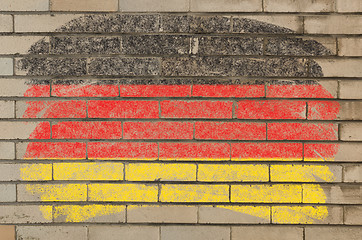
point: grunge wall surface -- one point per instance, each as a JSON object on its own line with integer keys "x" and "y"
{"x": 180, "y": 119}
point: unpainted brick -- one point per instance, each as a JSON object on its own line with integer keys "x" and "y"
{"x": 194, "y": 232}
{"x": 123, "y": 232}
{"x": 84, "y": 5}
{"x": 335, "y": 194}
{"x": 6, "y": 66}
{"x": 7, "y": 150}
{"x": 6, "y": 23}
{"x": 12, "y": 87}
{"x": 161, "y": 214}
{"x": 351, "y": 131}
{"x": 24, "y": 130}
{"x": 353, "y": 173}
{"x": 333, "y": 24}
{"x": 342, "y": 152}
{"x": 267, "y": 233}
{"x": 340, "y": 67}
{"x": 41, "y": 23}
{"x": 7, "y": 232}
{"x": 15, "y": 172}
{"x": 226, "y": 6}
{"x": 19, "y": 5}
{"x": 7, "y": 109}
{"x": 333, "y": 233}
{"x": 25, "y": 214}
{"x": 349, "y": 6}
{"x": 299, "y": 6}
{"x": 350, "y": 89}
{"x": 333, "y": 110}
{"x": 350, "y": 46}
{"x": 352, "y": 215}
{"x": 24, "y": 44}
{"x": 52, "y": 232}
{"x": 154, "y": 5}
{"x": 7, "y": 193}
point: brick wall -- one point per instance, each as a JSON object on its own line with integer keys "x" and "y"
{"x": 180, "y": 119}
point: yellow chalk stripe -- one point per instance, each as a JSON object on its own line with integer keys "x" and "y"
{"x": 59, "y": 192}
{"x": 313, "y": 193}
{"x": 163, "y": 172}
{"x": 143, "y": 159}
{"x": 36, "y": 172}
{"x": 194, "y": 193}
{"x": 195, "y": 159}
{"x": 301, "y": 173}
{"x": 88, "y": 171}
{"x": 298, "y": 214}
{"x": 257, "y": 211}
{"x": 280, "y": 193}
{"x": 123, "y": 192}
{"x": 319, "y": 159}
{"x": 76, "y": 213}
{"x": 266, "y": 159}
{"x": 47, "y": 212}
{"x": 233, "y": 172}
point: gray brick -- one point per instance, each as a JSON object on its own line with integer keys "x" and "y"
{"x": 300, "y": 47}
{"x": 19, "y": 5}
{"x": 347, "y": 152}
{"x": 123, "y": 232}
{"x": 333, "y": 233}
{"x": 84, "y": 5}
{"x": 221, "y": 215}
{"x": 341, "y": 194}
{"x": 352, "y": 215}
{"x": 6, "y": 23}
{"x": 351, "y": 131}
{"x": 41, "y": 23}
{"x": 228, "y": 46}
{"x": 227, "y": 66}
{"x": 24, "y": 44}
{"x": 154, "y": 6}
{"x": 25, "y": 214}
{"x": 124, "y": 66}
{"x": 174, "y": 23}
{"x": 340, "y": 67}
{"x": 156, "y": 45}
{"x": 51, "y": 66}
{"x": 19, "y": 130}
{"x": 6, "y": 66}
{"x": 85, "y": 45}
{"x": 7, "y": 193}
{"x": 7, "y": 150}
{"x": 18, "y": 172}
{"x": 333, "y": 24}
{"x": 161, "y": 214}
{"x": 349, "y": 6}
{"x": 12, "y": 87}
{"x": 7, "y": 109}
{"x": 350, "y": 110}
{"x": 52, "y": 232}
{"x": 299, "y": 6}
{"x": 353, "y": 173}
{"x": 267, "y": 233}
{"x": 226, "y": 6}
{"x": 195, "y": 232}
{"x": 350, "y": 46}
{"x": 350, "y": 89}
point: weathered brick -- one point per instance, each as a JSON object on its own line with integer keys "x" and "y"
{"x": 18, "y": 5}
{"x": 24, "y": 44}
{"x": 226, "y": 6}
{"x": 158, "y": 130}
{"x": 194, "y": 232}
{"x": 52, "y": 192}
{"x": 25, "y": 172}
{"x": 268, "y": 24}
{"x": 123, "y": 192}
{"x": 350, "y": 46}
{"x": 41, "y": 23}
{"x": 6, "y": 66}
{"x": 84, "y": 5}
{"x": 85, "y": 45}
{"x": 350, "y": 89}
{"x": 51, "y": 109}
{"x": 7, "y": 150}
{"x": 85, "y": 88}
{"x": 50, "y": 66}
{"x": 124, "y": 232}
{"x": 7, "y": 232}
{"x": 24, "y": 130}
{"x": 342, "y": 152}
{"x": 352, "y": 215}
{"x": 333, "y": 24}
{"x": 25, "y": 214}
{"x": 161, "y": 214}
{"x": 301, "y": 46}
{"x": 7, "y": 193}
{"x": 52, "y": 232}
{"x": 329, "y": 110}
{"x": 333, "y": 233}
{"x": 12, "y": 87}
{"x": 175, "y": 23}
{"x": 88, "y": 171}
{"x": 349, "y": 6}
{"x": 6, "y": 23}
{"x": 305, "y": 173}
{"x": 7, "y": 109}
{"x": 209, "y": 24}
{"x": 351, "y": 131}
{"x": 144, "y": 90}
{"x": 307, "y": 214}
{"x": 267, "y": 233}
{"x": 230, "y": 131}
{"x": 338, "y": 194}
{"x": 232, "y": 173}
{"x": 353, "y": 173}
{"x": 160, "y": 172}
{"x": 299, "y": 6}
{"x": 156, "y": 45}
{"x": 123, "y": 66}
{"x": 97, "y": 213}
{"x": 154, "y": 6}
{"x": 341, "y": 67}
{"x": 234, "y": 214}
